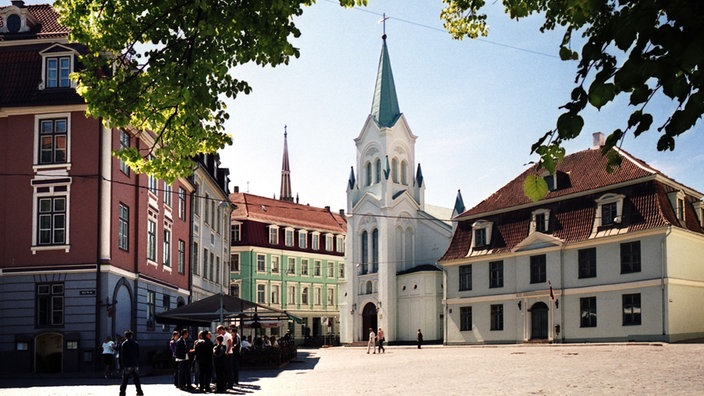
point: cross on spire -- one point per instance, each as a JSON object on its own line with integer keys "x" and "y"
{"x": 383, "y": 20}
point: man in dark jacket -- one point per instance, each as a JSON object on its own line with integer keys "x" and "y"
{"x": 184, "y": 365}
{"x": 204, "y": 358}
{"x": 129, "y": 361}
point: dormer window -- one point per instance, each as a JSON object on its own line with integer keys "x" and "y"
{"x": 481, "y": 232}
{"x": 289, "y": 236}
{"x": 540, "y": 220}
{"x": 610, "y": 210}
{"x": 551, "y": 180}
{"x": 699, "y": 210}
{"x": 274, "y": 235}
{"x": 677, "y": 200}
{"x": 16, "y": 19}
{"x": 57, "y": 65}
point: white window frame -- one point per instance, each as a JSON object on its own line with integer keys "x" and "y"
{"x": 340, "y": 240}
{"x": 318, "y": 301}
{"x": 331, "y": 297}
{"x": 305, "y": 267}
{"x": 482, "y": 225}
{"x": 328, "y": 242}
{"x": 289, "y": 267}
{"x": 261, "y": 285}
{"x": 125, "y": 142}
{"x": 275, "y": 293}
{"x": 341, "y": 270}
{"x": 534, "y": 219}
{"x": 273, "y": 235}
{"x": 166, "y": 243}
{"x": 263, "y": 259}
{"x": 233, "y": 260}
{"x": 678, "y": 199}
{"x": 302, "y": 239}
{"x": 50, "y": 53}
{"x": 317, "y": 268}
{"x": 275, "y": 264}
{"x": 167, "y": 194}
{"x": 605, "y": 200}
{"x": 291, "y": 297}
{"x": 288, "y": 233}
{"x": 236, "y": 232}
{"x": 55, "y": 116}
{"x": 151, "y": 245}
{"x": 53, "y": 192}
{"x": 315, "y": 240}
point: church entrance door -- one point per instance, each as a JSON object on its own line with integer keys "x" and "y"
{"x": 539, "y": 321}
{"x": 368, "y": 320}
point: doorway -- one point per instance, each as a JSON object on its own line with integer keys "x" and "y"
{"x": 368, "y": 320}
{"x": 539, "y": 321}
{"x": 48, "y": 355}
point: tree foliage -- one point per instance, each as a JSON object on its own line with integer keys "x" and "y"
{"x": 165, "y": 67}
{"x": 634, "y": 48}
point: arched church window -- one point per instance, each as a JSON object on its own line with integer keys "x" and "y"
{"x": 368, "y": 167}
{"x": 369, "y": 287}
{"x": 365, "y": 253}
{"x": 377, "y": 171}
{"x": 404, "y": 172}
{"x": 375, "y": 250}
{"x": 394, "y": 170}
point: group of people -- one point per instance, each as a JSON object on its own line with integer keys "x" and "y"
{"x": 127, "y": 353}
{"x": 376, "y": 341}
{"x": 210, "y": 360}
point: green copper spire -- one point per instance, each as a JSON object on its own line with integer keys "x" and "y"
{"x": 385, "y": 104}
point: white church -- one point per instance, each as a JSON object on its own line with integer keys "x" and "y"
{"x": 393, "y": 238}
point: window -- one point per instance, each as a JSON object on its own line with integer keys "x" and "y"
{"x": 375, "y": 250}
{"x": 465, "y": 318}
{"x": 235, "y": 262}
{"x": 304, "y": 296}
{"x": 586, "y": 263}
{"x": 151, "y": 240}
{"x": 496, "y": 274}
{"x": 368, "y": 167}
{"x": 540, "y": 220}
{"x": 273, "y": 235}
{"x": 328, "y": 242}
{"x": 368, "y": 287}
{"x": 289, "y": 237}
{"x": 304, "y": 267}
{"x": 167, "y": 194}
{"x": 181, "y": 256}
{"x": 275, "y": 264}
{"x": 537, "y": 269}
{"x": 318, "y": 296}
{"x": 236, "y": 232}
{"x": 151, "y": 309}
{"x": 51, "y": 223}
{"x": 377, "y": 171}
{"x": 124, "y": 144}
{"x": 465, "y": 277}
{"x": 302, "y": 239}
{"x": 365, "y": 253}
{"x": 218, "y": 271}
{"x": 196, "y": 202}
{"x": 123, "y": 228}
{"x": 630, "y": 257}
{"x": 261, "y": 263}
{"x": 608, "y": 214}
{"x": 235, "y": 290}
{"x": 181, "y": 203}
{"x": 497, "y": 317}
{"x": 195, "y": 266}
{"x": 481, "y": 232}
{"x": 404, "y": 171}
{"x": 317, "y": 268}
{"x": 274, "y": 294}
{"x": 212, "y": 265}
{"x": 341, "y": 270}
{"x": 610, "y": 207}
{"x": 331, "y": 297}
{"x": 587, "y": 307}
{"x": 50, "y": 304}
{"x": 57, "y": 71}
{"x": 394, "y": 170}
{"x": 291, "y": 266}
{"x": 151, "y": 184}
{"x": 480, "y": 237}
{"x": 261, "y": 294}
{"x": 680, "y": 209}
{"x": 315, "y": 241}
{"x": 206, "y": 266}
{"x": 340, "y": 244}
{"x": 631, "y": 309}
{"x": 165, "y": 302}
{"x": 291, "y": 299}
{"x": 53, "y": 141}
{"x": 167, "y": 248}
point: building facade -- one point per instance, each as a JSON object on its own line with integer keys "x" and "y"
{"x": 603, "y": 257}
{"x": 290, "y": 257}
{"x": 211, "y": 228}
{"x": 88, "y": 248}
{"x": 394, "y": 238}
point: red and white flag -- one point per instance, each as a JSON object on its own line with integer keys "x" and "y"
{"x": 552, "y": 295}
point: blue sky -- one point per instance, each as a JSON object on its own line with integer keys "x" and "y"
{"x": 476, "y": 105}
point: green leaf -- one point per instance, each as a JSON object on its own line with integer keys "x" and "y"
{"x": 613, "y": 160}
{"x": 601, "y": 94}
{"x": 569, "y": 125}
{"x": 535, "y": 187}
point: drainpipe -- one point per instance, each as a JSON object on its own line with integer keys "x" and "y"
{"x": 663, "y": 259}
{"x": 98, "y": 289}
{"x": 444, "y": 305}
{"x": 562, "y": 292}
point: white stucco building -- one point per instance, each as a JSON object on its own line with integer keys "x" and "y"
{"x": 393, "y": 238}
{"x": 603, "y": 257}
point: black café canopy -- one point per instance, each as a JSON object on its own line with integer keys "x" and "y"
{"x": 225, "y": 308}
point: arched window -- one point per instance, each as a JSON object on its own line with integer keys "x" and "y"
{"x": 365, "y": 253}
{"x": 404, "y": 173}
{"x": 368, "y": 167}
{"x": 377, "y": 170}
{"x": 375, "y": 250}
{"x": 394, "y": 170}
{"x": 369, "y": 287}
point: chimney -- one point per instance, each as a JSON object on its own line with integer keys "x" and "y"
{"x": 342, "y": 212}
{"x": 237, "y": 189}
{"x": 598, "y": 140}
{"x": 18, "y": 3}
{"x": 327, "y": 208}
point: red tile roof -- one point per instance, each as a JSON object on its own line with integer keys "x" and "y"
{"x": 285, "y": 213}
{"x": 48, "y": 26}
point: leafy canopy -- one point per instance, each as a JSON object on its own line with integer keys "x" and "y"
{"x": 165, "y": 66}
{"x": 636, "y": 48}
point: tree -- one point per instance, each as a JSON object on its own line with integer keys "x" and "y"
{"x": 636, "y": 48}
{"x": 163, "y": 66}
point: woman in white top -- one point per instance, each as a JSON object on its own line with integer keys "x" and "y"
{"x": 108, "y": 355}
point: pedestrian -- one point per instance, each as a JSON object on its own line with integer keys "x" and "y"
{"x": 108, "y": 355}
{"x": 381, "y": 339}
{"x": 419, "y": 338}
{"x": 129, "y": 359}
{"x": 235, "y": 356}
{"x": 204, "y": 358}
{"x": 172, "y": 346}
{"x": 227, "y": 341}
{"x": 372, "y": 341}
{"x": 184, "y": 367}
{"x": 219, "y": 362}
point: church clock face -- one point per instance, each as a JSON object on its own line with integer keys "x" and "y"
{"x": 14, "y": 23}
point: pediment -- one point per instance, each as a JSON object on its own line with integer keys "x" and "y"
{"x": 537, "y": 240}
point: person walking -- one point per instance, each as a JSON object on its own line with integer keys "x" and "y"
{"x": 381, "y": 339}
{"x": 372, "y": 341}
{"x": 219, "y": 362}
{"x": 108, "y": 355}
{"x": 129, "y": 360}
{"x": 204, "y": 359}
{"x": 419, "y": 338}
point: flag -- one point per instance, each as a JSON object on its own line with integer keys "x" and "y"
{"x": 552, "y": 295}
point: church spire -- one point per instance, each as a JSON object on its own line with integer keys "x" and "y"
{"x": 385, "y": 108}
{"x": 285, "y": 194}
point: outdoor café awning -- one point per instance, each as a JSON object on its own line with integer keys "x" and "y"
{"x": 226, "y": 309}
